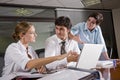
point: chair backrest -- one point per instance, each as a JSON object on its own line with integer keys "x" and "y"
{"x": 40, "y": 52}
{"x": 1, "y": 64}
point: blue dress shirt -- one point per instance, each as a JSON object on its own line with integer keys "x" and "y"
{"x": 94, "y": 37}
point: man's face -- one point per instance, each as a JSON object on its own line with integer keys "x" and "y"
{"x": 91, "y": 23}
{"x": 62, "y": 32}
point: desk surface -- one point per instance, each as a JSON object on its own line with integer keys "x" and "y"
{"x": 111, "y": 73}
{"x": 115, "y": 73}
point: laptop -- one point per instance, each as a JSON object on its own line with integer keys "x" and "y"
{"x": 89, "y": 56}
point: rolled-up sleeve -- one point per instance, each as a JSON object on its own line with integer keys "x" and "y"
{"x": 18, "y": 57}
{"x": 75, "y": 29}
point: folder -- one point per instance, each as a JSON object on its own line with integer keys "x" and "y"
{"x": 72, "y": 73}
{"x": 22, "y": 76}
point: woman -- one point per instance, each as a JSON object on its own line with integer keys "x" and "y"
{"x": 20, "y": 57}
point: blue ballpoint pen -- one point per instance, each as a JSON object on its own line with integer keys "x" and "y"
{"x": 114, "y": 64}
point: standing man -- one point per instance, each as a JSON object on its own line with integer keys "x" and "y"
{"x": 90, "y": 32}
{"x": 60, "y": 43}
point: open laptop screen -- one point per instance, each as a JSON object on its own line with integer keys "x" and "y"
{"x": 89, "y": 56}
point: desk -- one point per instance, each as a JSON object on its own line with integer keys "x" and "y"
{"x": 106, "y": 74}
{"x": 115, "y": 73}
{"x": 111, "y": 73}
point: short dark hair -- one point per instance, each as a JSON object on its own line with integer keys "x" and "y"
{"x": 98, "y": 16}
{"x": 63, "y": 21}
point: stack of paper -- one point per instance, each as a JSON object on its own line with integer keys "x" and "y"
{"x": 105, "y": 64}
{"x": 22, "y": 75}
{"x": 66, "y": 74}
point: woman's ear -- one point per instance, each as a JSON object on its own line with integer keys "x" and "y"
{"x": 21, "y": 35}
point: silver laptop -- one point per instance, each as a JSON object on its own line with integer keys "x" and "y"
{"x": 89, "y": 56}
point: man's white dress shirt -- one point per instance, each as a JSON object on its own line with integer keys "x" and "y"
{"x": 53, "y": 47}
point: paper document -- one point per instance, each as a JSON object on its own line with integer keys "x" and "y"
{"x": 29, "y": 75}
{"x": 22, "y": 75}
{"x": 105, "y": 63}
{"x": 66, "y": 74}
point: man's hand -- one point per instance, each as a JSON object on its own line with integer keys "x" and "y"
{"x": 72, "y": 57}
{"x": 118, "y": 61}
{"x": 76, "y": 38}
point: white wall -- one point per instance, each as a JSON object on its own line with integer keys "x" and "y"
{"x": 116, "y": 20}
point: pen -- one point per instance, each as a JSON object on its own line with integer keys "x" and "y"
{"x": 114, "y": 63}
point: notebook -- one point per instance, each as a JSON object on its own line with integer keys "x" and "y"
{"x": 89, "y": 56}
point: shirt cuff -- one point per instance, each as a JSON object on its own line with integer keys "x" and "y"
{"x": 24, "y": 63}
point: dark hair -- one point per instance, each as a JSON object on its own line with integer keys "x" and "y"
{"x": 98, "y": 16}
{"x": 63, "y": 21}
{"x": 21, "y": 27}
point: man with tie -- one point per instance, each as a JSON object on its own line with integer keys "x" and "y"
{"x": 60, "y": 43}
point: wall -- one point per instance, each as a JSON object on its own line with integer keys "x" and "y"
{"x": 43, "y": 30}
{"x": 116, "y": 20}
{"x": 1, "y": 65}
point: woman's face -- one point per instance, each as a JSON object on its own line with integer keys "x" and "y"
{"x": 30, "y": 35}
{"x": 61, "y": 32}
{"x": 91, "y": 23}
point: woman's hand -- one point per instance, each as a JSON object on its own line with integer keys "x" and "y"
{"x": 71, "y": 56}
{"x": 41, "y": 69}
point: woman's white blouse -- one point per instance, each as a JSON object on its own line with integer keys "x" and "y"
{"x": 16, "y": 58}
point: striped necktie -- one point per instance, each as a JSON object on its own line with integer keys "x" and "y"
{"x": 63, "y": 47}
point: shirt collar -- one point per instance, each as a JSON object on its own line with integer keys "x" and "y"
{"x": 59, "y": 40}
{"x": 21, "y": 45}
{"x": 85, "y": 28}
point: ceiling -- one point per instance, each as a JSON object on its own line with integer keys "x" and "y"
{"x": 105, "y": 4}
